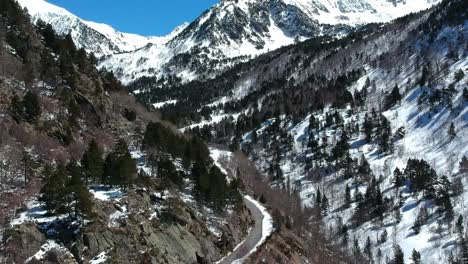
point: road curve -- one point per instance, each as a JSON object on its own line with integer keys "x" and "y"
{"x": 255, "y": 237}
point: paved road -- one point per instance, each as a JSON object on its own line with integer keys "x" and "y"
{"x": 252, "y": 239}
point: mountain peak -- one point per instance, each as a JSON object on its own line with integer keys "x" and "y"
{"x": 230, "y": 30}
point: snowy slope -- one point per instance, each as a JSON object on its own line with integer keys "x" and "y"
{"x": 95, "y": 37}
{"x": 426, "y": 138}
{"x": 228, "y": 30}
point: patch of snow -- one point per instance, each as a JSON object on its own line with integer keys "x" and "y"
{"x": 99, "y": 259}
{"x": 217, "y": 155}
{"x": 104, "y": 193}
{"x": 162, "y": 104}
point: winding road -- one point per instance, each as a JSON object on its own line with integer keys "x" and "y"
{"x": 257, "y": 234}
{"x": 262, "y": 228}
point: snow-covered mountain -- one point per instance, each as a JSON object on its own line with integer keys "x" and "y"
{"x": 230, "y": 29}
{"x": 101, "y": 39}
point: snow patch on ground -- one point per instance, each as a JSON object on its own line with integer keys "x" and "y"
{"x": 104, "y": 193}
{"x": 162, "y": 104}
{"x": 35, "y": 212}
{"x": 99, "y": 259}
{"x": 217, "y": 155}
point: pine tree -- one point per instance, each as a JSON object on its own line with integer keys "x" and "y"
{"x": 32, "y": 107}
{"x": 78, "y": 198}
{"x": 347, "y": 196}
{"x": 168, "y": 172}
{"x": 421, "y": 176}
{"x": 415, "y": 257}
{"x": 367, "y": 127}
{"x": 53, "y": 192}
{"x": 383, "y": 236}
{"x": 119, "y": 166}
{"x": 397, "y": 214}
{"x": 443, "y": 197}
{"x": 460, "y": 226}
{"x": 356, "y": 251}
{"x": 74, "y": 113}
{"x": 398, "y": 178}
{"x": 398, "y": 256}
{"x": 16, "y": 108}
{"x": 368, "y": 250}
{"x": 393, "y": 98}
{"x": 201, "y": 180}
{"x": 318, "y": 198}
{"x": 92, "y": 162}
{"x": 459, "y": 75}
{"x": 451, "y": 131}
{"x": 324, "y": 204}
{"x": 344, "y": 232}
{"x": 421, "y": 220}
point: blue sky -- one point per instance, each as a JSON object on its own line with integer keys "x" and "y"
{"x": 144, "y": 17}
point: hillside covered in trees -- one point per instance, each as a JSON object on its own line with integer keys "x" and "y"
{"x": 88, "y": 173}
{"x": 368, "y": 131}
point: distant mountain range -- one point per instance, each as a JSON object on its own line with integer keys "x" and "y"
{"x": 229, "y": 32}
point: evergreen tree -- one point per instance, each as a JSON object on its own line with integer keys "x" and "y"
{"x": 421, "y": 176}
{"x": 398, "y": 256}
{"x": 168, "y": 172}
{"x": 393, "y": 98}
{"x": 119, "y": 166}
{"x": 53, "y": 191}
{"x": 347, "y": 196}
{"x": 415, "y": 257}
{"x": 368, "y": 250}
{"x": 341, "y": 147}
{"x": 443, "y": 197}
{"x": 367, "y": 127}
{"x": 74, "y": 113}
{"x": 356, "y": 251}
{"x": 344, "y": 232}
{"x": 318, "y": 198}
{"x": 364, "y": 170}
{"x": 384, "y": 134}
{"x": 398, "y": 178}
{"x": 459, "y": 226}
{"x": 397, "y": 214}
{"x": 92, "y": 162}
{"x": 32, "y": 107}
{"x": 16, "y": 108}
{"x": 459, "y": 75}
{"x": 421, "y": 220}
{"x": 324, "y": 205}
{"x": 451, "y": 131}
{"x": 77, "y": 195}
{"x": 383, "y": 236}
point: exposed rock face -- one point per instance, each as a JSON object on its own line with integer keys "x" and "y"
{"x": 24, "y": 241}
{"x": 282, "y": 247}
{"x": 176, "y": 235}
